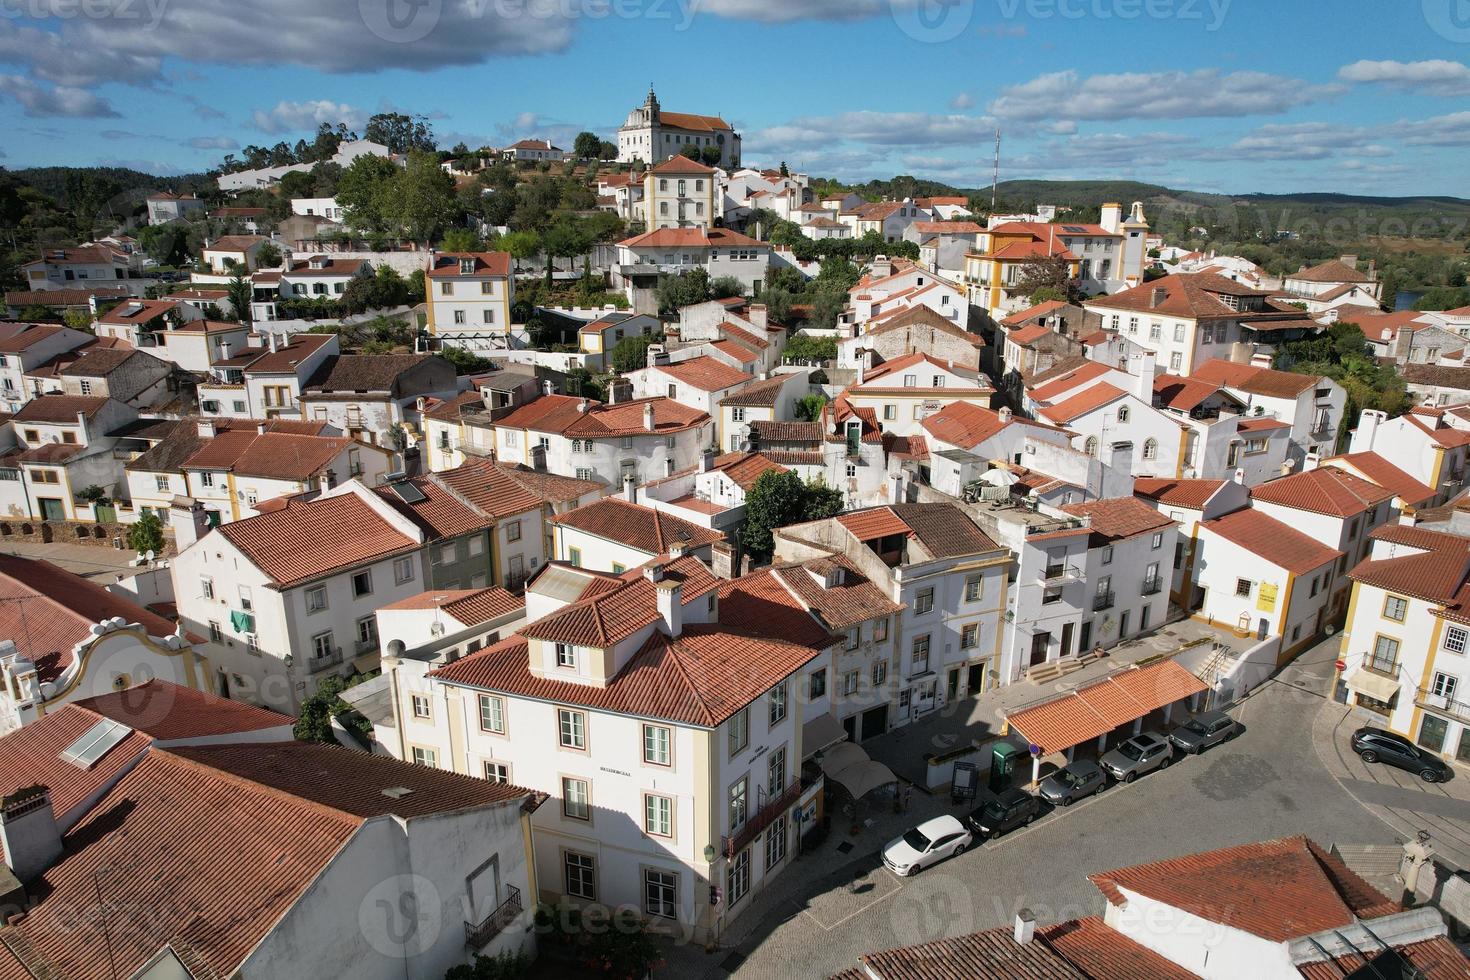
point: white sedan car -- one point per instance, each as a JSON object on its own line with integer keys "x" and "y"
{"x": 928, "y": 843}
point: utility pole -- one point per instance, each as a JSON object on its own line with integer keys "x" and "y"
{"x": 995, "y": 177}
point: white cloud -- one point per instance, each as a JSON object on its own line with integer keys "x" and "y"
{"x": 212, "y": 143}
{"x": 52, "y": 59}
{"x": 917, "y": 129}
{"x": 59, "y": 100}
{"x": 290, "y": 117}
{"x": 1204, "y": 93}
{"x": 1449, "y": 130}
{"x": 962, "y": 101}
{"x": 782, "y": 11}
{"x": 1437, "y": 77}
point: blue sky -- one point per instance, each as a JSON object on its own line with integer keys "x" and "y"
{"x": 1372, "y": 97}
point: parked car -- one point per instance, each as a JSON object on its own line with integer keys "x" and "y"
{"x": 1011, "y": 809}
{"x": 1204, "y": 730}
{"x": 1376, "y": 745}
{"x": 1140, "y": 754}
{"x": 929, "y": 843}
{"x": 1072, "y": 782}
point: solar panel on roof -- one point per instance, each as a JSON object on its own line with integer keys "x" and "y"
{"x": 409, "y": 493}
{"x": 95, "y": 743}
{"x": 1074, "y": 229}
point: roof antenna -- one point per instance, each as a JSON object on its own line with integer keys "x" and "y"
{"x": 995, "y": 178}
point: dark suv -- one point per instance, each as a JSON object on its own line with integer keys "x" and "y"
{"x": 1377, "y": 745}
{"x": 1009, "y": 810}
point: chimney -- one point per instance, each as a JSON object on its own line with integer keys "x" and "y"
{"x": 582, "y": 407}
{"x": 670, "y": 609}
{"x": 1367, "y": 431}
{"x": 260, "y": 428}
{"x": 1005, "y": 415}
{"x": 1157, "y": 297}
{"x": 207, "y": 429}
{"x": 1120, "y": 457}
{"x": 1025, "y": 927}
{"x": 648, "y": 417}
{"x": 706, "y": 461}
{"x": 1240, "y": 477}
{"x": 1351, "y": 261}
{"x": 1111, "y": 217}
{"x": 28, "y": 831}
{"x": 630, "y": 489}
{"x": 271, "y": 339}
{"x": 1143, "y": 381}
{"x": 547, "y": 388}
{"x": 758, "y": 315}
{"x": 722, "y": 560}
{"x": 1312, "y": 461}
{"x": 224, "y": 350}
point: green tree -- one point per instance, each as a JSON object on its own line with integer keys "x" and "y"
{"x": 709, "y": 155}
{"x": 1051, "y": 274}
{"x": 363, "y": 192}
{"x": 685, "y": 289}
{"x": 566, "y": 239}
{"x": 78, "y": 320}
{"x": 1444, "y": 298}
{"x": 809, "y": 407}
{"x": 778, "y": 303}
{"x": 269, "y": 256}
{"x": 314, "y": 724}
{"x": 506, "y": 966}
{"x": 822, "y": 501}
{"x": 607, "y": 151}
{"x": 778, "y": 498}
{"x": 423, "y": 201}
{"x": 520, "y": 245}
{"x": 724, "y": 287}
{"x": 240, "y": 292}
{"x": 460, "y": 240}
{"x": 146, "y": 534}
{"x": 631, "y": 353}
{"x": 400, "y": 133}
{"x": 587, "y": 146}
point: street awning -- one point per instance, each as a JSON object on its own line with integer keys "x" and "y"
{"x": 820, "y": 734}
{"x": 1082, "y": 715}
{"x": 849, "y": 766}
{"x": 1375, "y": 686}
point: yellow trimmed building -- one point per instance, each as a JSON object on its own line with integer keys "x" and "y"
{"x": 468, "y": 299}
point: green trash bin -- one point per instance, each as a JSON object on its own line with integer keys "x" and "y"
{"x": 1003, "y": 759}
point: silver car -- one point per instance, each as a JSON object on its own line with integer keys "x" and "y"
{"x": 1204, "y": 730}
{"x": 1140, "y": 754}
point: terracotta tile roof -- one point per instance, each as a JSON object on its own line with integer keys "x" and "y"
{"x": 1104, "y": 953}
{"x": 780, "y": 430}
{"x": 64, "y": 297}
{"x": 758, "y": 394}
{"x": 1270, "y": 539}
{"x": 1182, "y": 394}
{"x": 172, "y": 712}
{"x": 1324, "y": 490}
{"x": 1278, "y": 890}
{"x": 947, "y": 227}
{"x": 906, "y": 447}
{"x": 1083, "y": 403}
{"x": 611, "y": 615}
{"x": 271, "y": 455}
{"x": 898, "y": 364}
{"x": 1032, "y": 312}
{"x": 641, "y": 528}
{"x": 332, "y": 267}
{"x": 351, "y": 782}
{"x": 1435, "y": 959}
{"x": 692, "y": 238}
{"x": 1026, "y": 336}
{"x": 705, "y": 373}
{"x": 449, "y": 411}
{"x": 563, "y": 414}
{"x": 853, "y": 599}
{"x": 1263, "y": 424}
{"x": 99, "y": 254}
{"x": 364, "y": 372}
{"x": 446, "y": 264}
{"x": 284, "y": 359}
{"x": 681, "y": 164}
{"x": 874, "y": 523}
{"x": 1064, "y": 377}
{"x": 1443, "y": 435}
{"x": 944, "y": 530}
{"x": 1096, "y": 709}
{"x": 967, "y": 425}
{"x": 234, "y": 243}
{"x": 1429, "y": 565}
{"x": 761, "y": 602}
{"x": 102, "y": 361}
{"x": 1333, "y": 270}
{"x": 50, "y": 610}
{"x": 494, "y": 490}
{"x": 31, "y": 756}
{"x": 1025, "y": 251}
{"x": 993, "y": 955}
{"x": 1379, "y": 470}
{"x": 1116, "y": 518}
{"x": 1256, "y": 380}
{"x": 532, "y": 145}
{"x": 551, "y": 487}
{"x": 57, "y": 409}
{"x": 304, "y": 540}
{"x": 484, "y": 606}
{"x": 1184, "y": 295}
{"x": 441, "y": 513}
{"x": 700, "y": 678}
{"x": 746, "y": 468}
{"x": 736, "y": 351}
{"x": 28, "y": 336}
{"x": 924, "y": 316}
{"x": 1182, "y": 493}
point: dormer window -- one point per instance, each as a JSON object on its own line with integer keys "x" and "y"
{"x": 466, "y": 267}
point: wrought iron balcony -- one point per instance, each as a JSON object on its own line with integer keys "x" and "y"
{"x": 324, "y": 661}
{"x": 477, "y": 937}
{"x": 1153, "y": 586}
{"x": 1442, "y": 703}
{"x": 1058, "y": 574}
{"x": 1103, "y": 600}
{"x": 763, "y": 818}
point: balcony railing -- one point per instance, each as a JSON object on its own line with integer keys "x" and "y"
{"x": 1380, "y": 668}
{"x": 324, "y": 661}
{"x": 763, "y": 818}
{"x": 1057, "y": 574}
{"x": 1153, "y": 586}
{"x": 1103, "y": 600}
{"x": 367, "y": 646}
{"x": 1444, "y": 704}
{"x": 477, "y": 937}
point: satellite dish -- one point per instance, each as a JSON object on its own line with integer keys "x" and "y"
{"x": 148, "y": 554}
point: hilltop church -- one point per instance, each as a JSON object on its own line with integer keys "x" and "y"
{"x": 652, "y": 135}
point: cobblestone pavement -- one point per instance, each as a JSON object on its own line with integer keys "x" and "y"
{"x": 1270, "y": 782}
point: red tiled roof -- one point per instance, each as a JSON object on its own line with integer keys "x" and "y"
{"x": 874, "y": 523}
{"x": 1256, "y": 380}
{"x": 1429, "y": 565}
{"x": 853, "y": 599}
{"x": 1031, "y": 312}
{"x": 64, "y": 297}
{"x": 681, "y": 164}
{"x": 705, "y": 373}
{"x": 746, "y": 468}
{"x": 1191, "y": 295}
{"x": 60, "y": 409}
{"x": 1104, "y": 953}
{"x": 1182, "y": 394}
{"x": 992, "y": 955}
{"x": 51, "y": 610}
{"x": 967, "y": 425}
{"x": 642, "y": 528}
{"x": 1270, "y": 539}
{"x": 446, "y": 264}
{"x": 1025, "y": 336}
{"x": 1449, "y": 438}
{"x": 736, "y": 351}
{"x": 1435, "y": 959}
{"x": 1379, "y": 470}
{"x": 1088, "y": 400}
{"x": 468, "y": 606}
{"x": 306, "y": 539}
{"x": 1048, "y": 386}
{"x": 172, "y": 712}
{"x": 271, "y": 455}
{"x": 1183, "y": 493}
{"x": 1115, "y": 518}
{"x": 1324, "y": 490}
{"x": 692, "y": 238}
{"x": 562, "y": 414}
{"x": 1333, "y": 270}
{"x": 742, "y": 336}
{"x": 550, "y": 487}
{"x": 758, "y": 393}
{"x": 31, "y": 756}
{"x": 284, "y": 359}
{"x": 28, "y": 336}
{"x": 1278, "y": 890}
{"x": 1262, "y": 424}
{"x": 1087, "y": 712}
{"x": 611, "y": 615}
{"x": 234, "y": 243}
